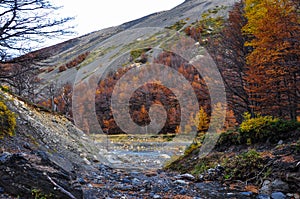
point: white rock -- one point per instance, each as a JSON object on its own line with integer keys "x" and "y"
{"x": 164, "y": 156}
{"x": 86, "y": 161}
{"x": 182, "y": 182}
{"x": 186, "y": 176}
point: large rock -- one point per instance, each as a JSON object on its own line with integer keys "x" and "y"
{"x": 21, "y": 173}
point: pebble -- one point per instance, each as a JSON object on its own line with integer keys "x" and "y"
{"x": 81, "y": 181}
{"x": 156, "y": 196}
{"x": 247, "y": 193}
{"x": 182, "y": 182}
{"x": 182, "y": 192}
{"x": 186, "y": 176}
{"x": 279, "y": 186}
{"x": 86, "y": 161}
{"x": 263, "y": 196}
{"x": 4, "y": 156}
{"x": 278, "y": 195}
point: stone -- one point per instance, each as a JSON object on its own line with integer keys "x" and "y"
{"x": 266, "y": 187}
{"x": 26, "y": 145}
{"x": 1, "y": 190}
{"x": 182, "y": 192}
{"x": 126, "y": 180}
{"x": 181, "y": 182}
{"x": 279, "y": 186}
{"x": 4, "y": 157}
{"x": 86, "y": 161}
{"x": 135, "y": 181}
{"x": 51, "y": 179}
{"x": 247, "y": 193}
{"x": 156, "y": 196}
{"x": 186, "y": 176}
{"x": 278, "y": 195}
{"x": 95, "y": 159}
{"x": 81, "y": 181}
{"x": 263, "y": 196}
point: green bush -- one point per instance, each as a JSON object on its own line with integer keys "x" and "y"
{"x": 192, "y": 147}
{"x": 137, "y": 53}
{"x": 37, "y": 194}
{"x": 7, "y": 121}
{"x": 228, "y": 138}
{"x": 244, "y": 166}
{"x": 5, "y": 88}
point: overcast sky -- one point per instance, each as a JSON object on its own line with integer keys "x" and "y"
{"x": 94, "y": 15}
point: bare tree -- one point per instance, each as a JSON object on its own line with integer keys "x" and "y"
{"x": 28, "y": 21}
{"x": 24, "y": 24}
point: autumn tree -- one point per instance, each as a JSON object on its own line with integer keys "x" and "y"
{"x": 273, "y": 66}
{"x": 229, "y": 53}
{"x": 201, "y": 122}
{"x": 64, "y": 99}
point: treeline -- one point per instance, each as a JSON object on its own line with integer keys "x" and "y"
{"x": 150, "y": 94}
{"x": 257, "y": 53}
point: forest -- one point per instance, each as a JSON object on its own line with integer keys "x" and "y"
{"x": 256, "y": 49}
{"x": 257, "y": 52}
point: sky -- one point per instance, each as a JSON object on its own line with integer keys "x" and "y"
{"x": 92, "y": 15}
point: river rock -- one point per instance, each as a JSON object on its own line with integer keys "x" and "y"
{"x": 263, "y": 196}
{"x": 4, "y": 157}
{"x": 266, "y": 187}
{"x": 278, "y": 195}
{"x": 279, "y": 186}
{"x": 247, "y": 193}
{"x": 185, "y": 176}
{"x": 181, "y": 182}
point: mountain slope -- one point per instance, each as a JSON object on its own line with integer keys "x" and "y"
{"x": 189, "y": 11}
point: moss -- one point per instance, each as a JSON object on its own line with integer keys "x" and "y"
{"x": 37, "y": 194}
{"x": 200, "y": 168}
{"x": 177, "y": 26}
{"x": 5, "y": 88}
{"x": 137, "y": 53}
{"x": 92, "y": 56}
{"x": 7, "y": 121}
{"x": 245, "y": 166}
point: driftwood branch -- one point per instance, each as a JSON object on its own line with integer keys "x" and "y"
{"x": 60, "y": 188}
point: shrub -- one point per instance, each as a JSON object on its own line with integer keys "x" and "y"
{"x": 262, "y": 128}
{"x": 257, "y": 128}
{"x": 5, "y": 88}
{"x": 7, "y": 121}
{"x": 192, "y": 147}
{"x": 62, "y": 68}
{"x": 137, "y": 53}
{"x": 229, "y": 138}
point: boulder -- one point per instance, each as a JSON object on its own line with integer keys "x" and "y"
{"x": 22, "y": 173}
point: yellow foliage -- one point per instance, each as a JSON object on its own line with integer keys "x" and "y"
{"x": 7, "y": 121}
{"x": 201, "y": 121}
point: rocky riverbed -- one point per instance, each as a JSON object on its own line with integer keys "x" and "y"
{"x": 24, "y": 173}
{"x": 48, "y": 157}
